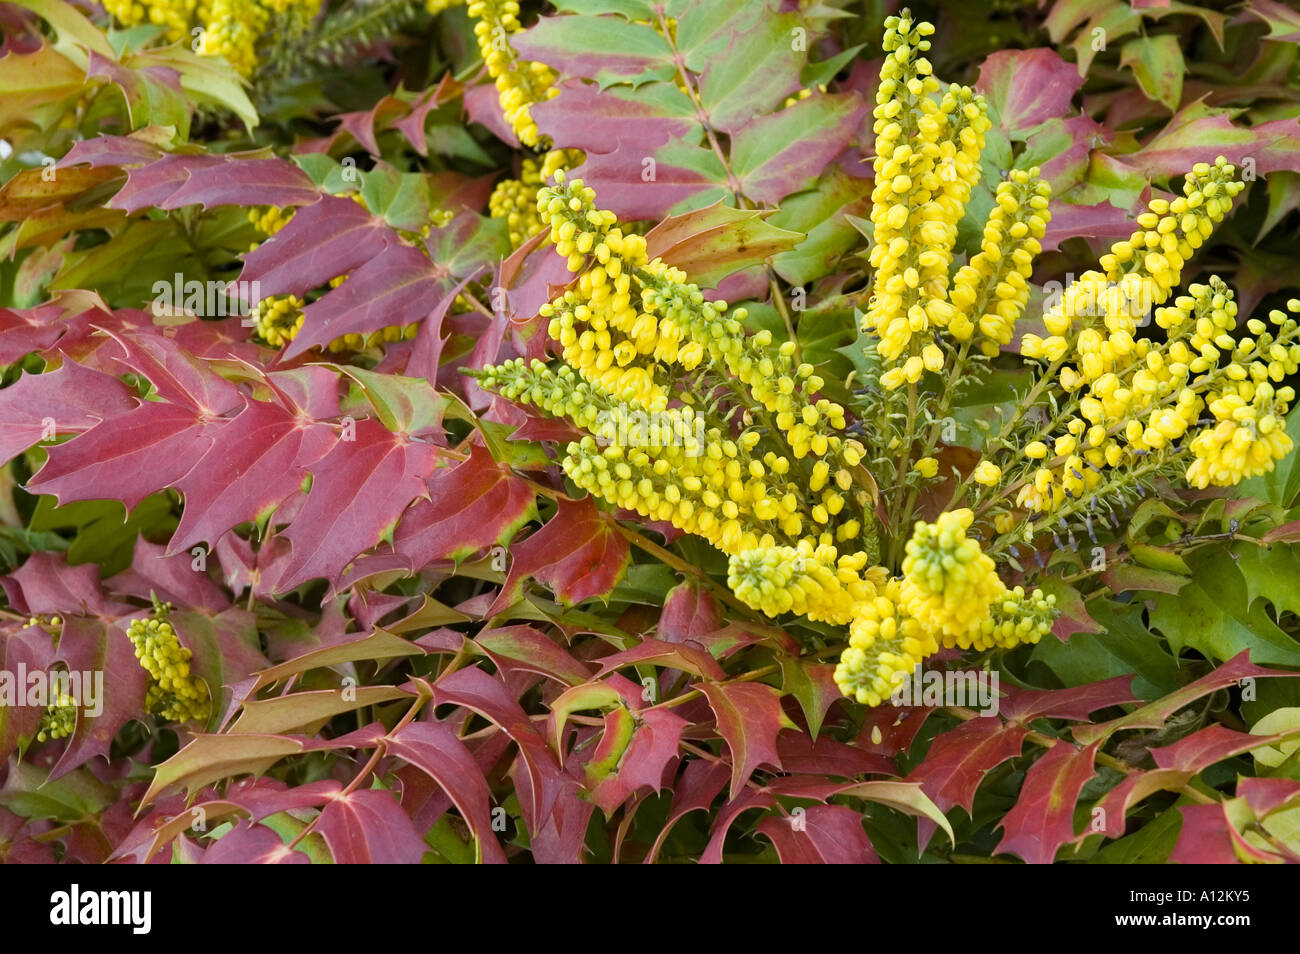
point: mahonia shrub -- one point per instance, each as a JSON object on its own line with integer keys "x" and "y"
{"x": 647, "y": 431}
{"x": 729, "y": 439}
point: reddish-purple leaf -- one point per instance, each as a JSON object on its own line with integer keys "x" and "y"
{"x": 471, "y": 505}
{"x": 698, "y": 786}
{"x": 1267, "y": 795}
{"x": 398, "y": 286}
{"x": 579, "y": 554}
{"x": 750, "y": 798}
{"x": 248, "y": 844}
{"x": 178, "y": 180}
{"x": 69, "y": 400}
{"x": 434, "y": 748}
{"x": 369, "y": 827}
{"x": 46, "y": 585}
{"x": 1203, "y": 748}
{"x": 359, "y": 490}
{"x": 749, "y": 718}
{"x": 257, "y": 459}
{"x": 653, "y": 747}
{"x": 689, "y": 610}
{"x": 800, "y": 754}
{"x": 1043, "y": 817}
{"x": 1076, "y": 703}
{"x": 959, "y": 759}
{"x": 320, "y": 242}
{"x": 1027, "y": 87}
{"x": 820, "y": 835}
{"x": 130, "y": 457}
{"x": 522, "y": 647}
{"x": 172, "y": 577}
{"x": 1155, "y": 714}
{"x": 1113, "y": 810}
{"x": 29, "y": 649}
{"x": 1206, "y": 837}
{"x": 684, "y": 656}
{"x": 90, "y": 645}
{"x": 476, "y": 690}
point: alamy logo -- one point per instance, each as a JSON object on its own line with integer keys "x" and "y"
{"x": 75, "y": 906}
{"x": 959, "y": 688}
{"x": 41, "y": 688}
{"x": 211, "y": 299}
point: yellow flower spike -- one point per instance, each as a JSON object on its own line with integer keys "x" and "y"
{"x": 885, "y": 647}
{"x": 948, "y": 583}
{"x": 803, "y": 580}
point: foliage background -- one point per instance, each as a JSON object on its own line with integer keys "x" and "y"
{"x": 405, "y": 691}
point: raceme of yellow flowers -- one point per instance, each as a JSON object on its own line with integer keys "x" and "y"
{"x": 174, "y": 693}
{"x": 232, "y": 29}
{"x": 724, "y": 434}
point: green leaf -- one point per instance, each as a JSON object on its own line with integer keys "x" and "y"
{"x": 1214, "y": 615}
{"x": 1157, "y": 62}
{"x": 404, "y": 405}
{"x": 29, "y": 792}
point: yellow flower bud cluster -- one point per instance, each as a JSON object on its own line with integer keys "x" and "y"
{"x": 991, "y": 291}
{"x": 175, "y": 15}
{"x": 519, "y": 83}
{"x": 927, "y": 161}
{"x": 1136, "y": 274}
{"x": 885, "y": 647}
{"x": 810, "y": 581}
{"x": 437, "y": 6}
{"x": 1247, "y": 433}
{"x": 1014, "y": 618}
{"x": 174, "y": 693}
{"x": 59, "y": 719}
{"x": 269, "y": 219}
{"x": 948, "y": 582}
{"x": 514, "y": 201}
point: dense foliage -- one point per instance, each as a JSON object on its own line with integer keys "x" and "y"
{"x": 618, "y": 430}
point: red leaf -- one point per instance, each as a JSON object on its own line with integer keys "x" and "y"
{"x": 751, "y": 798}
{"x": 93, "y": 645}
{"x": 820, "y": 835}
{"x": 1206, "y": 837}
{"x": 654, "y": 745}
{"x": 474, "y": 504}
{"x": 522, "y": 647}
{"x": 434, "y": 748}
{"x": 1027, "y": 87}
{"x": 749, "y": 718}
{"x": 256, "y": 460}
{"x": 45, "y": 585}
{"x": 1155, "y": 714}
{"x": 1043, "y": 817}
{"x": 825, "y": 756}
{"x": 359, "y": 490}
{"x": 959, "y": 759}
{"x": 249, "y": 844}
{"x": 1202, "y": 749}
{"x": 684, "y": 656}
{"x": 69, "y": 400}
{"x": 369, "y": 827}
{"x": 129, "y": 458}
{"x": 1077, "y": 703}
{"x": 477, "y": 691}
{"x": 320, "y": 242}
{"x": 579, "y": 554}
{"x": 689, "y": 610}
{"x": 172, "y": 578}
{"x": 699, "y": 785}
{"x": 398, "y": 286}
{"x": 177, "y": 180}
